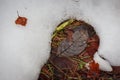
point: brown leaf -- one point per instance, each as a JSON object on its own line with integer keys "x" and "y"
{"x": 75, "y": 46}
{"x": 64, "y": 63}
{"x": 69, "y": 34}
{"x": 93, "y": 44}
{"x": 21, "y": 21}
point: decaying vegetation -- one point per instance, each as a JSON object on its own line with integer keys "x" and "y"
{"x": 73, "y": 46}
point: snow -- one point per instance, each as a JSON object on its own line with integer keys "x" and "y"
{"x": 105, "y": 66}
{"x": 23, "y": 50}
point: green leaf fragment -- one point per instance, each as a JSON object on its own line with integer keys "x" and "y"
{"x": 62, "y": 26}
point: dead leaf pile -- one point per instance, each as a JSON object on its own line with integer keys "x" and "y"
{"x": 73, "y": 45}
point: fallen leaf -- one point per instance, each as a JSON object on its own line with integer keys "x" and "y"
{"x": 21, "y": 21}
{"x": 64, "y": 63}
{"x": 75, "y": 43}
{"x": 69, "y": 34}
{"x": 94, "y": 69}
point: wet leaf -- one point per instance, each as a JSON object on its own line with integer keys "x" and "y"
{"x": 21, "y": 21}
{"x": 94, "y": 69}
{"x": 75, "y": 43}
{"x": 64, "y": 63}
{"x": 93, "y": 44}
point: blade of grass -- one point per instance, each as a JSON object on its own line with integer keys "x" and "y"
{"x": 63, "y": 25}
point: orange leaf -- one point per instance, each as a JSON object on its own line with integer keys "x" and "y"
{"x": 94, "y": 67}
{"x": 94, "y": 70}
{"x": 21, "y": 21}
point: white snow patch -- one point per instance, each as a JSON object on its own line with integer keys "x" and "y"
{"x": 103, "y": 64}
